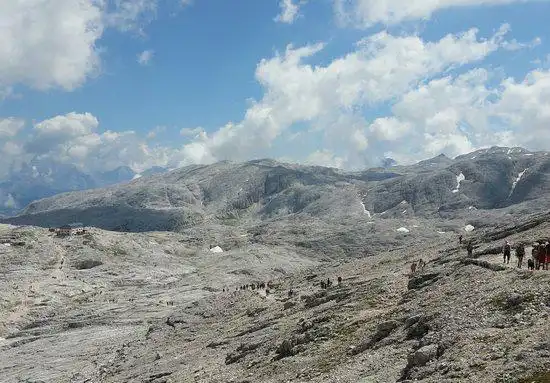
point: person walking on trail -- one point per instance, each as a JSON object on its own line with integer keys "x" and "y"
{"x": 535, "y": 255}
{"x": 507, "y": 251}
{"x": 460, "y": 239}
{"x": 520, "y": 253}
{"x": 413, "y": 268}
{"x": 547, "y": 260}
{"x": 541, "y": 256}
{"x": 470, "y": 249}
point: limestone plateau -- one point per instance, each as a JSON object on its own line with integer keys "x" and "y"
{"x": 152, "y": 288}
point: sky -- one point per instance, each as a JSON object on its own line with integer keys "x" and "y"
{"x": 342, "y": 83}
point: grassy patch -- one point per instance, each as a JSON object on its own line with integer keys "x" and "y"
{"x": 511, "y": 302}
{"x": 541, "y": 377}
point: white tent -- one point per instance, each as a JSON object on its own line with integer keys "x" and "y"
{"x": 216, "y": 249}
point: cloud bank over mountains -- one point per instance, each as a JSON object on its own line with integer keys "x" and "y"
{"x": 395, "y": 94}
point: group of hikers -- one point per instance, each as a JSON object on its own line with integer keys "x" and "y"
{"x": 252, "y": 286}
{"x": 540, "y": 255}
{"x": 267, "y": 286}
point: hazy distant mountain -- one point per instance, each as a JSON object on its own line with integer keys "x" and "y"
{"x": 265, "y": 189}
{"x": 120, "y": 174}
{"x": 42, "y": 178}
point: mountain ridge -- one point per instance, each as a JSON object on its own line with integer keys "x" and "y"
{"x": 265, "y": 189}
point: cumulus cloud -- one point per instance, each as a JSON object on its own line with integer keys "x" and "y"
{"x": 76, "y": 138}
{"x": 49, "y": 44}
{"x": 366, "y": 13}
{"x": 333, "y": 98}
{"x": 55, "y": 43}
{"x": 289, "y": 11}
{"x": 435, "y": 100}
{"x": 453, "y": 114}
{"x": 525, "y": 107}
{"x": 9, "y": 127}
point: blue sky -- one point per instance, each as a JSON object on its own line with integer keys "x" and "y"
{"x": 202, "y": 73}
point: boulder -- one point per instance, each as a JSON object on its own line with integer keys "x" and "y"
{"x": 422, "y": 356}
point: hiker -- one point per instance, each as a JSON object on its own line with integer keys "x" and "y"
{"x": 531, "y": 264}
{"x": 460, "y": 239}
{"x": 470, "y": 249}
{"x": 329, "y": 282}
{"x": 535, "y": 254}
{"x": 520, "y": 253}
{"x": 541, "y": 256}
{"x": 547, "y": 260}
{"x": 413, "y": 267}
{"x": 421, "y": 264}
{"x": 339, "y": 280}
{"x": 506, "y": 251}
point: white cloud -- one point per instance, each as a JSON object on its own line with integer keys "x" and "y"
{"x": 9, "y": 127}
{"x": 153, "y": 133}
{"x": 438, "y": 104}
{"x": 131, "y": 14}
{"x": 49, "y": 43}
{"x": 191, "y": 132}
{"x": 144, "y": 58}
{"x": 325, "y": 158}
{"x": 289, "y": 11}
{"x": 75, "y": 138}
{"x": 366, "y": 13}
{"x": 332, "y": 98}
{"x": 525, "y": 107}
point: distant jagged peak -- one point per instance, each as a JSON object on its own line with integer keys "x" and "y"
{"x": 388, "y": 162}
{"x": 439, "y": 159}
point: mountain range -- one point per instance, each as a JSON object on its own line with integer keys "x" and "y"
{"x": 496, "y": 180}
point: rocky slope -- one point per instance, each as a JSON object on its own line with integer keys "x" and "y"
{"x": 151, "y": 307}
{"x": 492, "y": 182}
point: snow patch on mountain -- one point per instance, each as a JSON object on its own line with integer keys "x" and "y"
{"x": 365, "y": 210}
{"x": 514, "y": 184}
{"x": 459, "y": 179}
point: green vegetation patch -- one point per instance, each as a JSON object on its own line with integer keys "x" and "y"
{"x": 541, "y": 377}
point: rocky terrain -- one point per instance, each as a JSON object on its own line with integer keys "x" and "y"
{"x": 151, "y": 293}
{"x": 161, "y": 307}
